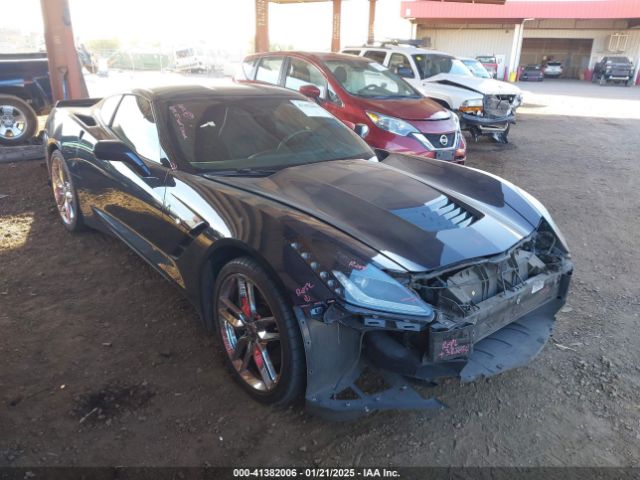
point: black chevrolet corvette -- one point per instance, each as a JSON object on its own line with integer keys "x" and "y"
{"x": 318, "y": 263}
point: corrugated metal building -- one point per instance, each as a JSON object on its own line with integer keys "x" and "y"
{"x": 520, "y": 32}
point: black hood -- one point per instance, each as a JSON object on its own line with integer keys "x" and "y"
{"x": 421, "y": 222}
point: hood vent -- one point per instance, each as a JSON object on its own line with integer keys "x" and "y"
{"x": 441, "y": 213}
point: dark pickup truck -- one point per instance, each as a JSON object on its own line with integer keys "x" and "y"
{"x": 25, "y": 93}
{"x": 613, "y": 69}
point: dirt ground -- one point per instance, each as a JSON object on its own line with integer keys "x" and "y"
{"x": 103, "y": 362}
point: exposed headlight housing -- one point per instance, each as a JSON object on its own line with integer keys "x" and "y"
{"x": 373, "y": 289}
{"x": 473, "y": 105}
{"x": 363, "y": 285}
{"x": 392, "y": 124}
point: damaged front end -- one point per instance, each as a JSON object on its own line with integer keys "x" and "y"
{"x": 489, "y": 315}
{"x": 493, "y": 118}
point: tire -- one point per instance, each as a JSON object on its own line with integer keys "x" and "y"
{"x": 270, "y": 315}
{"x": 502, "y": 137}
{"x": 18, "y": 121}
{"x": 64, "y": 193}
{"x": 603, "y": 80}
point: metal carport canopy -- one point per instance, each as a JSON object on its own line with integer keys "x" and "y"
{"x": 516, "y": 11}
{"x": 262, "y": 20}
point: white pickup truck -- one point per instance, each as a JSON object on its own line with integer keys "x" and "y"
{"x": 485, "y": 106}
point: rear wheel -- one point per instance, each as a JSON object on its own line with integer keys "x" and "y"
{"x": 64, "y": 193}
{"x": 259, "y": 333}
{"x": 18, "y": 121}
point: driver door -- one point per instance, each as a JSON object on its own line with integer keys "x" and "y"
{"x": 133, "y": 206}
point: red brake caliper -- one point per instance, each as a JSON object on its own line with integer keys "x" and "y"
{"x": 246, "y": 309}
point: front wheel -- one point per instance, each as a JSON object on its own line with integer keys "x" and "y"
{"x": 259, "y": 333}
{"x": 501, "y": 137}
{"x": 18, "y": 121}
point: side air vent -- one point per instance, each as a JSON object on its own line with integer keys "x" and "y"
{"x": 442, "y": 213}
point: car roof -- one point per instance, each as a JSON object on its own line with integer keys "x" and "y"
{"x": 317, "y": 56}
{"x": 172, "y": 92}
{"x": 399, "y": 48}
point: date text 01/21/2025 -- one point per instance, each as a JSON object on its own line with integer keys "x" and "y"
{"x": 315, "y": 473}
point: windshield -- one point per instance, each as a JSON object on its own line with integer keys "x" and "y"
{"x": 261, "y": 133}
{"x": 369, "y": 80}
{"x": 432, "y": 64}
{"x": 476, "y": 68}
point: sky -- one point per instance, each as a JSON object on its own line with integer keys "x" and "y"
{"x": 221, "y": 24}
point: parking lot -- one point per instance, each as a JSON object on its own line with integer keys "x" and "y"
{"x": 103, "y": 363}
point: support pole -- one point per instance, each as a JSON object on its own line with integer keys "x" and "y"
{"x": 67, "y": 81}
{"x": 335, "y": 37}
{"x": 511, "y": 72}
{"x": 262, "y": 26}
{"x": 372, "y": 19}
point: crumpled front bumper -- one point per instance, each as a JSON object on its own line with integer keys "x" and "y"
{"x": 338, "y": 354}
{"x": 486, "y": 125}
{"x": 512, "y": 346}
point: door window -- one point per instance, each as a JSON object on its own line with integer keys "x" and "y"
{"x": 333, "y": 97}
{"x": 269, "y": 70}
{"x": 134, "y": 124}
{"x": 301, "y": 73}
{"x": 247, "y": 68}
{"x": 398, "y": 60}
{"x": 108, "y": 108}
{"x": 376, "y": 56}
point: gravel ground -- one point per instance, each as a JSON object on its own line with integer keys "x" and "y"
{"x": 103, "y": 363}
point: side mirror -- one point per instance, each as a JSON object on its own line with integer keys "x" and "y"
{"x": 361, "y": 130}
{"x": 310, "y": 91}
{"x": 117, "y": 151}
{"x": 404, "y": 72}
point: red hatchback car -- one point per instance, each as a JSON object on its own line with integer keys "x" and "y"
{"x": 384, "y": 109}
